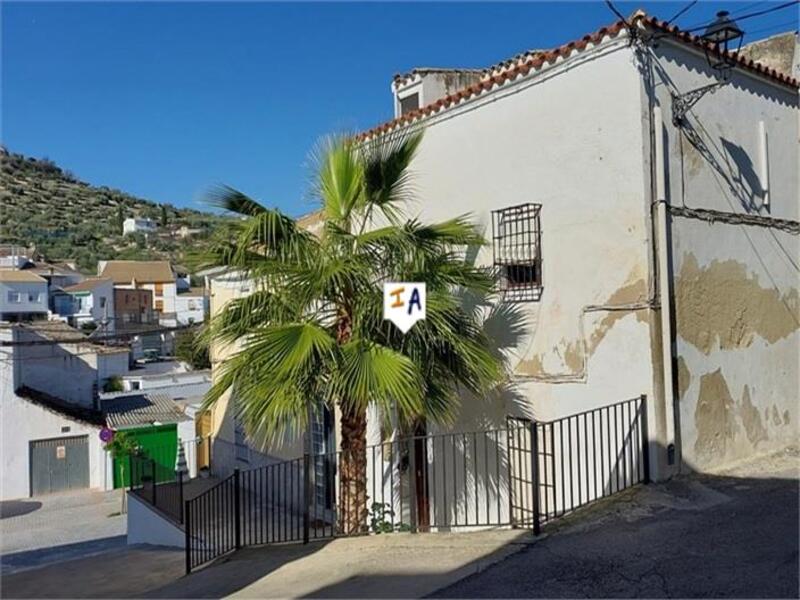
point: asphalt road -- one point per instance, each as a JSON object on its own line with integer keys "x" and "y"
{"x": 734, "y": 535}
{"x": 38, "y": 531}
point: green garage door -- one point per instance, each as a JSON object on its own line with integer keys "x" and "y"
{"x": 59, "y": 464}
{"x": 158, "y": 442}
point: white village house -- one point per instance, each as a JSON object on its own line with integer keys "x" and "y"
{"x": 656, "y": 243}
{"x": 23, "y": 295}
{"x": 51, "y": 376}
{"x": 139, "y": 225}
{"x": 90, "y": 301}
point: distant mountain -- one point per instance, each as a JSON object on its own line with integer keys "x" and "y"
{"x": 47, "y": 207}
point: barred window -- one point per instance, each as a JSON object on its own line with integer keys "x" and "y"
{"x": 516, "y": 240}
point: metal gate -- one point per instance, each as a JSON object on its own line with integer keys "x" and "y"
{"x": 523, "y": 475}
{"x": 59, "y": 464}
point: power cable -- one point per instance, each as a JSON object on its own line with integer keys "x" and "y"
{"x": 749, "y": 16}
{"x": 682, "y": 11}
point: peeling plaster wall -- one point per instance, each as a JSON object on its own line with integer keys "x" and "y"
{"x": 551, "y": 141}
{"x": 737, "y": 311}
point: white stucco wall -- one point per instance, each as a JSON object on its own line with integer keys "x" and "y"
{"x": 147, "y": 526}
{"x": 22, "y": 422}
{"x": 550, "y": 141}
{"x": 736, "y": 286}
{"x": 35, "y": 288}
{"x": 190, "y": 308}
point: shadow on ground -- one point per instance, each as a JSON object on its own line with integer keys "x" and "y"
{"x": 695, "y": 536}
{"x": 31, "y": 559}
{"x": 17, "y": 508}
{"x": 692, "y": 537}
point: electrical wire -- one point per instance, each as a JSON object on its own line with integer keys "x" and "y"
{"x": 682, "y": 11}
{"x": 85, "y": 340}
{"x": 750, "y": 15}
{"x": 616, "y": 12}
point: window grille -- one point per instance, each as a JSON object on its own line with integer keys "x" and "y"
{"x": 516, "y": 241}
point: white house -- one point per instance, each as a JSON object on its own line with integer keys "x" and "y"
{"x": 90, "y": 301}
{"x": 50, "y": 376}
{"x": 647, "y": 228}
{"x": 191, "y": 306}
{"x": 156, "y": 276}
{"x": 138, "y": 225}
{"x": 23, "y": 295}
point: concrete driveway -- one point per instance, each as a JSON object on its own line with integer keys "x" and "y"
{"x": 37, "y": 531}
{"x": 724, "y": 536}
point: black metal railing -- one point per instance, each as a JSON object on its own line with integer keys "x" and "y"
{"x": 154, "y": 476}
{"x": 523, "y": 475}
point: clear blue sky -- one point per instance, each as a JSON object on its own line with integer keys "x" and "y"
{"x": 164, "y": 100}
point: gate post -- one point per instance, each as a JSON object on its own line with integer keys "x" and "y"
{"x": 188, "y": 538}
{"x": 180, "y": 495}
{"x": 412, "y": 484}
{"x": 153, "y": 467}
{"x": 535, "y": 472}
{"x": 645, "y": 440}
{"x": 237, "y": 508}
{"x": 306, "y": 494}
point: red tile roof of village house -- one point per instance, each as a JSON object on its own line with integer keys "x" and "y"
{"x": 513, "y": 68}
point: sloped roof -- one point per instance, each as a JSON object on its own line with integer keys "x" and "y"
{"x": 87, "y": 285}
{"x": 60, "y": 407}
{"x": 14, "y": 276}
{"x": 528, "y": 64}
{"x": 141, "y": 409}
{"x": 143, "y": 271}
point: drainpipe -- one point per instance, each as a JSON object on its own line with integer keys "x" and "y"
{"x": 664, "y": 283}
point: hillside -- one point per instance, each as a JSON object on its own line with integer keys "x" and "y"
{"x": 63, "y": 217}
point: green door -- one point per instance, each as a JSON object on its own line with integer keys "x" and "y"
{"x": 157, "y": 442}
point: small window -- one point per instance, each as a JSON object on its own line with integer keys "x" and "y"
{"x": 516, "y": 240}
{"x": 409, "y": 103}
{"x": 159, "y": 305}
{"x": 136, "y": 385}
{"x": 15, "y": 297}
{"x": 159, "y": 289}
{"x": 102, "y": 301}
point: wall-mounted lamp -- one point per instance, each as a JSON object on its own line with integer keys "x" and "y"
{"x": 723, "y": 40}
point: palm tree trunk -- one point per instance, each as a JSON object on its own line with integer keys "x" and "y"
{"x": 353, "y": 490}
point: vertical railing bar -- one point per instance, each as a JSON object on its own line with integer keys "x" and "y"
{"x": 594, "y": 452}
{"x": 561, "y": 454}
{"x": 486, "y": 474}
{"x": 445, "y": 506}
{"x": 571, "y": 476}
{"x": 534, "y": 427}
{"x": 497, "y": 472}
{"x": 586, "y": 451}
{"x": 455, "y": 482}
{"x": 616, "y": 444}
{"x": 475, "y": 475}
{"x": 553, "y": 467}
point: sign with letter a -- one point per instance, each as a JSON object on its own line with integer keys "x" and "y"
{"x": 404, "y": 304}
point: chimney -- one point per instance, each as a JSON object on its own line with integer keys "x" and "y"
{"x": 424, "y": 86}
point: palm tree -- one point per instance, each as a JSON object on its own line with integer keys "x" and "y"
{"x": 313, "y": 328}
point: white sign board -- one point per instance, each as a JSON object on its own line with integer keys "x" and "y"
{"x": 404, "y": 303}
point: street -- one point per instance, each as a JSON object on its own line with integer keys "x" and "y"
{"x": 730, "y": 535}
{"x": 38, "y": 531}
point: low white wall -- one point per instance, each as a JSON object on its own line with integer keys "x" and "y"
{"x": 147, "y": 526}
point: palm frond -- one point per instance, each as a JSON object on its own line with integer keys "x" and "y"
{"x": 232, "y": 200}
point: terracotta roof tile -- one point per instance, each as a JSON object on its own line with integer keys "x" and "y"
{"x": 143, "y": 271}
{"x": 522, "y": 64}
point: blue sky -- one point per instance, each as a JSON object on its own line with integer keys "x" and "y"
{"x": 164, "y": 100}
